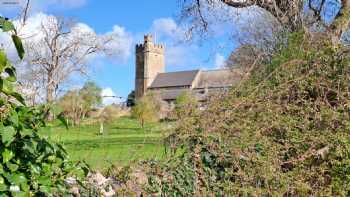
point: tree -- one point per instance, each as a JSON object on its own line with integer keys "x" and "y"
{"x": 61, "y": 49}
{"x": 243, "y": 57}
{"x": 107, "y": 115}
{"x": 31, "y": 165}
{"x": 186, "y": 105}
{"x": 91, "y": 96}
{"x": 77, "y": 103}
{"x": 291, "y": 15}
{"x": 130, "y": 102}
{"x": 146, "y": 109}
{"x": 72, "y": 106}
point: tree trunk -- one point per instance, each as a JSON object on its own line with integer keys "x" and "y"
{"x": 50, "y": 89}
{"x": 142, "y": 123}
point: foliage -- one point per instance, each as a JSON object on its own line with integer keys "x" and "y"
{"x": 185, "y": 104}
{"x": 30, "y": 164}
{"x": 77, "y": 103}
{"x": 72, "y": 106}
{"x": 109, "y": 114}
{"x": 130, "y": 102}
{"x": 282, "y": 132}
{"x": 91, "y": 95}
{"x": 146, "y": 109}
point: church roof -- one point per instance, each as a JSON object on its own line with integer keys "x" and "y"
{"x": 172, "y": 94}
{"x": 218, "y": 78}
{"x": 174, "y": 79}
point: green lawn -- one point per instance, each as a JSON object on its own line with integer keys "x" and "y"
{"x": 123, "y": 141}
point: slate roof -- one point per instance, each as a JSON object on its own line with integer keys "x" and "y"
{"x": 172, "y": 84}
{"x": 174, "y": 79}
{"x": 218, "y": 78}
{"x": 171, "y": 94}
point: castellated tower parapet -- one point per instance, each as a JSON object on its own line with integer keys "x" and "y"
{"x": 149, "y": 62}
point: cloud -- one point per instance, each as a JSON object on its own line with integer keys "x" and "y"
{"x": 166, "y": 28}
{"x": 177, "y": 53}
{"x": 122, "y": 44}
{"x": 108, "y": 97}
{"x": 118, "y": 47}
{"x": 181, "y": 56}
{"x": 219, "y": 60}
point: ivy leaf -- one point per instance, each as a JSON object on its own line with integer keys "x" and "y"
{"x": 19, "y": 46}
{"x": 7, "y": 135}
{"x": 19, "y": 194}
{"x": 17, "y": 179}
{"x": 14, "y": 118}
{"x": 44, "y": 180}
{"x": 11, "y": 71}
{"x": 7, "y": 25}
{"x": 3, "y": 186}
{"x": 6, "y": 87}
{"x": 18, "y": 97}
{"x": 7, "y": 155}
{"x": 63, "y": 120}
{"x": 3, "y": 60}
{"x": 12, "y": 167}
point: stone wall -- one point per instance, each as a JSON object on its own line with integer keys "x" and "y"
{"x": 149, "y": 62}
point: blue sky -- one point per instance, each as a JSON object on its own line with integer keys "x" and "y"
{"x": 134, "y": 19}
{"x": 157, "y": 17}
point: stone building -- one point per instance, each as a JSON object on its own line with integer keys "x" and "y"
{"x": 151, "y": 76}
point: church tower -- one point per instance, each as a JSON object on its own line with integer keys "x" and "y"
{"x": 149, "y": 62}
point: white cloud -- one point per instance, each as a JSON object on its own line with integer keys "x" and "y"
{"x": 181, "y": 56}
{"x": 122, "y": 44}
{"x": 118, "y": 48}
{"x": 219, "y": 60}
{"x": 166, "y": 28}
{"x": 177, "y": 53}
{"x": 108, "y": 97}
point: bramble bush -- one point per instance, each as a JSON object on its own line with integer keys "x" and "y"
{"x": 30, "y": 165}
{"x": 282, "y": 132}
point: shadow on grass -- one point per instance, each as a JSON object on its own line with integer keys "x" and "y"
{"x": 112, "y": 142}
{"x": 127, "y": 128}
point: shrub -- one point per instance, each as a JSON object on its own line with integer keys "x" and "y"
{"x": 146, "y": 109}
{"x": 77, "y": 103}
{"x": 30, "y": 165}
{"x": 283, "y": 132}
{"x": 185, "y": 105}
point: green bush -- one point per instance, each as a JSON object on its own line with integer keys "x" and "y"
{"x": 283, "y": 132}
{"x": 30, "y": 165}
{"x": 146, "y": 109}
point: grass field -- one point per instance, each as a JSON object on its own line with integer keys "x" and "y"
{"x": 123, "y": 141}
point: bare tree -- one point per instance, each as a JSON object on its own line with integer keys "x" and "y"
{"x": 31, "y": 84}
{"x": 59, "y": 50}
{"x": 290, "y": 14}
{"x": 243, "y": 57}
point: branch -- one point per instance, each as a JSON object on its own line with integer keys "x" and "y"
{"x": 341, "y": 22}
{"x": 25, "y": 12}
{"x": 204, "y": 22}
{"x": 240, "y": 4}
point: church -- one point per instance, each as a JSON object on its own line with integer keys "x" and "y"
{"x": 151, "y": 76}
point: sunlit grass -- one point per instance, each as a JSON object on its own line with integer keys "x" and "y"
{"x": 123, "y": 141}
